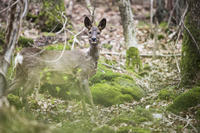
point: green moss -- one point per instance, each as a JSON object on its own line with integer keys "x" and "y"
{"x": 58, "y": 46}
{"x": 104, "y": 129}
{"x": 190, "y": 59}
{"x": 2, "y": 39}
{"x": 109, "y": 88}
{"x": 49, "y": 34}
{"x": 129, "y": 87}
{"x": 197, "y": 115}
{"x": 15, "y": 101}
{"x": 142, "y": 115}
{"x": 163, "y": 25}
{"x": 50, "y": 18}
{"x": 186, "y": 100}
{"x": 107, "y": 46}
{"x": 25, "y": 42}
{"x": 31, "y": 17}
{"x": 133, "y": 61}
{"x": 80, "y": 126}
{"x": 104, "y": 74}
{"x": 166, "y": 94}
{"x": 12, "y": 121}
{"x": 161, "y": 36}
{"x": 105, "y": 94}
{"x": 33, "y": 104}
{"x": 132, "y": 118}
{"x": 130, "y": 129}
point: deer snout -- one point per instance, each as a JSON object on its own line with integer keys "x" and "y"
{"x": 94, "y": 39}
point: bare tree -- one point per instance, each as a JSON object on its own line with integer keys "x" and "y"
{"x": 17, "y": 10}
{"x": 133, "y": 59}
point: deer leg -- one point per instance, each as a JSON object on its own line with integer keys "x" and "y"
{"x": 17, "y": 83}
{"x": 87, "y": 94}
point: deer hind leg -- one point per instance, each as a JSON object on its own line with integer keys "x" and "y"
{"x": 16, "y": 84}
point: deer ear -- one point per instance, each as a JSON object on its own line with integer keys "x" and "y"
{"x": 102, "y": 24}
{"x": 88, "y": 23}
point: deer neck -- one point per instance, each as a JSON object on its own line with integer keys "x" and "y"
{"x": 94, "y": 53}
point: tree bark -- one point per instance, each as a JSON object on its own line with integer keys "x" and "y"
{"x": 12, "y": 34}
{"x": 132, "y": 54}
{"x": 190, "y": 61}
{"x": 161, "y": 13}
{"x": 127, "y": 23}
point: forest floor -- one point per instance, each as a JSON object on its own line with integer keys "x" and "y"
{"x": 163, "y": 75}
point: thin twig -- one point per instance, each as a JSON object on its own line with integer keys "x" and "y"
{"x": 75, "y": 37}
{"x": 9, "y": 6}
{"x": 170, "y": 17}
{"x": 185, "y": 120}
{"x": 65, "y": 23}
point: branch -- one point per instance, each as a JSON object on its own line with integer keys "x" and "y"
{"x": 91, "y": 9}
{"x": 9, "y": 6}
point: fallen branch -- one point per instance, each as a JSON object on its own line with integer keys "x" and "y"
{"x": 142, "y": 55}
{"x": 185, "y": 120}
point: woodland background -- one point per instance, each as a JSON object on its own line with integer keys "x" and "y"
{"x": 148, "y": 77}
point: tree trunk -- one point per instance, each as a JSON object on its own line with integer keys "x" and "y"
{"x": 190, "y": 61}
{"x": 132, "y": 54}
{"x": 161, "y": 13}
{"x": 127, "y": 22}
{"x": 14, "y": 23}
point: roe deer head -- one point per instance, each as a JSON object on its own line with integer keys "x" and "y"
{"x": 31, "y": 62}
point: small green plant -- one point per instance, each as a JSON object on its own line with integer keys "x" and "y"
{"x": 25, "y": 42}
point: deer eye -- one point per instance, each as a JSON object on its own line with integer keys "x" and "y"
{"x": 98, "y": 32}
{"x": 90, "y": 32}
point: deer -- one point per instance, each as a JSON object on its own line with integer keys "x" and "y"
{"x": 31, "y": 62}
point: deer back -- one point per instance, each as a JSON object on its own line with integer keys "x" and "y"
{"x": 36, "y": 62}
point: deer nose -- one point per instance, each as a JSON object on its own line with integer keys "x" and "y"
{"x": 93, "y": 39}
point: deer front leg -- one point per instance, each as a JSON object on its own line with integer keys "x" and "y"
{"x": 87, "y": 94}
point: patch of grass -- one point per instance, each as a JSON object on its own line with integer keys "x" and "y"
{"x": 25, "y": 42}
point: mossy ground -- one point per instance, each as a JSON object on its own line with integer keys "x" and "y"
{"x": 106, "y": 84}
{"x": 133, "y": 61}
{"x": 186, "y": 100}
{"x": 167, "y": 94}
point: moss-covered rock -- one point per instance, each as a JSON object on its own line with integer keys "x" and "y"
{"x": 133, "y": 61}
{"x": 186, "y": 100}
{"x": 109, "y": 88}
{"x": 106, "y": 94}
{"x": 50, "y": 18}
{"x": 25, "y": 42}
{"x": 166, "y": 94}
{"x": 15, "y": 101}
